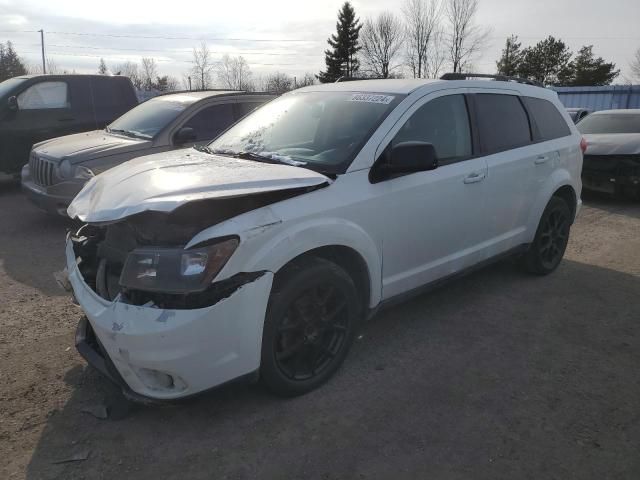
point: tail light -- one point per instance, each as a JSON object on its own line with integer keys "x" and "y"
{"x": 583, "y": 145}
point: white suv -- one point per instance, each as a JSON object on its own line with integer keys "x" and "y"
{"x": 259, "y": 255}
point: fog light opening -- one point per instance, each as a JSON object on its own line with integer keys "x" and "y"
{"x": 157, "y": 380}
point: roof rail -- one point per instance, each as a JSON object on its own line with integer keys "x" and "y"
{"x": 499, "y": 78}
{"x": 353, "y": 79}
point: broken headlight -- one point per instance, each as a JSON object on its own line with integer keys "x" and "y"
{"x": 175, "y": 270}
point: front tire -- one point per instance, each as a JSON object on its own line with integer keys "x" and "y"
{"x": 548, "y": 247}
{"x": 312, "y": 316}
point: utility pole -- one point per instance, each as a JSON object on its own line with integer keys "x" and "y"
{"x": 189, "y": 82}
{"x": 44, "y": 63}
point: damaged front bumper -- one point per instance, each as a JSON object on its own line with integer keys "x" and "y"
{"x": 610, "y": 173}
{"x": 163, "y": 354}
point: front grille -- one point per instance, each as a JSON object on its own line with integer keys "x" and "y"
{"x": 614, "y": 165}
{"x": 41, "y": 170}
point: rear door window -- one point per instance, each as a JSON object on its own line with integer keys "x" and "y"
{"x": 211, "y": 121}
{"x": 108, "y": 94}
{"x": 44, "y": 95}
{"x": 551, "y": 124}
{"x": 443, "y": 122}
{"x": 502, "y": 122}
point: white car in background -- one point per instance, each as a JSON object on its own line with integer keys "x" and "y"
{"x": 261, "y": 255}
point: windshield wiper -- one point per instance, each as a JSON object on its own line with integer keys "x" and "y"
{"x": 205, "y": 149}
{"x": 243, "y": 155}
{"x": 128, "y": 133}
{"x": 255, "y": 156}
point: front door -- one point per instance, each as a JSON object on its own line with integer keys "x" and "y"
{"x": 433, "y": 221}
{"x": 44, "y": 112}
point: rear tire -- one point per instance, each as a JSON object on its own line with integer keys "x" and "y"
{"x": 312, "y": 316}
{"x": 548, "y": 247}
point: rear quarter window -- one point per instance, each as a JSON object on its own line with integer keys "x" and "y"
{"x": 550, "y": 123}
{"x": 502, "y": 122}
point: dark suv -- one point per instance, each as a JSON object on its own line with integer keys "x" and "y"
{"x": 40, "y": 107}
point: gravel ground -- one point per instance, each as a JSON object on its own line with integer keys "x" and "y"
{"x": 499, "y": 375}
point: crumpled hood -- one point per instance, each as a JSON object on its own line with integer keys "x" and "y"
{"x": 165, "y": 181}
{"x": 82, "y": 147}
{"x": 612, "y": 144}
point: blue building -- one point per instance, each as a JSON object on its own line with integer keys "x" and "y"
{"x": 600, "y": 98}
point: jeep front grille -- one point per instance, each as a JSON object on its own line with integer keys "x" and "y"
{"x": 41, "y": 170}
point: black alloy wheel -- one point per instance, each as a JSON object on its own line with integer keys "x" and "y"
{"x": 312, "y": 315}
{"x": 546, "y": 251}
{"x": 312, "y": 332}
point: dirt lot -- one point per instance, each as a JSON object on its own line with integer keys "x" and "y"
{"x": 498, "y": 375}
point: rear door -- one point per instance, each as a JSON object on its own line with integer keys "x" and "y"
{"x": 506, "y": 142}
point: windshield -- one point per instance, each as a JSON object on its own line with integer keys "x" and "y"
{"x": 10, "y": 84}
{"x": 610, "y": 123}
{"x": 149, "y": 118}
{"x": 573, "y": 115}
{"x": 322, "y": 131}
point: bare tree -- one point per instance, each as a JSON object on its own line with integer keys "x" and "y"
{"x": 172, "y": 83}
{"x": 102, "y": 67}
{"x": 234, "y": 73}
{"x": 307, "y": 80}
{"x": 130, "y": 69}
{"x": 278, "y": 83}
{"x": 635, "y": 66}
{"x": 381, "y": 41}
{"x": 52, "y": 66}
{"x": 203, "y": 67}
{"x": 422, "y": 20}
{"x": 149, "y": 73}
{"x": 436, "y": 55}
{"x": 465, "y": 38}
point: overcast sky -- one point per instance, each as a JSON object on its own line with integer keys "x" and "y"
{"x": 283, "y": 35}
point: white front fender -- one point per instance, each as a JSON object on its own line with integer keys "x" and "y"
{"x": 268, "y": 243}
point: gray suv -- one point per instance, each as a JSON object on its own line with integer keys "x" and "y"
{"x": 59, "y": 168}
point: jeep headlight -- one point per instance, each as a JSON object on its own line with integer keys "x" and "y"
{"x": 175, "y": 270}
{"x": 65, "y": 169}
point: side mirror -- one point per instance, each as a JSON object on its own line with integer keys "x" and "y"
{"x": 409, "y": 157}
{"x": 12, "y": 103}
{"x": 184, "y": 135}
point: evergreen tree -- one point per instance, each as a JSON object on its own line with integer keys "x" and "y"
{"x": 548, "y": 62}
{"x": 509, "y": 62}
{"x": 341, "y": 59}
{"x": 10, "y": 63}
{"x": 587, "y": 70}
{"x": 102, "y": 68}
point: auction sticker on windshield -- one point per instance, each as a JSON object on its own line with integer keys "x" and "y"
{"x": 369, "y": 98}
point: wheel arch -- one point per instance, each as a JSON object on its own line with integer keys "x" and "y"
{"x": 345, "y": 257}
{"x": 561, "y": 184}
{"x": 568, "y": 194}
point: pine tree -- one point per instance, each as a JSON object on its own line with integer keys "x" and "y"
{"x": 588, "y": 71}
{"x": 511, "y": 57}
{"x": 102, "y": 68}
{"x": 10, "y": 63}
{"x": 547, "y": 62}
{"x": 341, "y": 58}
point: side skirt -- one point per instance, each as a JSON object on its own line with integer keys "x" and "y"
{"x": 423, "y": 289}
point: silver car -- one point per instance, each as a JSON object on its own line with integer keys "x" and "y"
{"x": 612, "y": 158}
{"x": 59, "y": 168}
